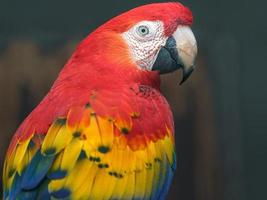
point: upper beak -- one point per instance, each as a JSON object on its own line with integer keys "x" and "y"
{"x": 179, "y": 51}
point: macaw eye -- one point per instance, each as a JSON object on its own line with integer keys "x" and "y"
{"x": 143, "y": 30}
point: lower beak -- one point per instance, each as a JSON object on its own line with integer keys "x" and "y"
{"x": 179, "y": 51}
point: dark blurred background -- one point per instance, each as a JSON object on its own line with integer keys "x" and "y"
{"x": 219, "y": 113}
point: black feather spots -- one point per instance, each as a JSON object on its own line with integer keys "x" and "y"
{"x": 110, "y": 119}
{"x": 61, "y": 121}
{"x": 149, "y": 165}
{"x": 94, "y": 159}
{"x": 31, "y": 145}
{"x": 77, "y": 134}
{"x": 11, "y": 172}
{"x": 102, "y": 166}
{"x": 103, "y": 149}
{"x": 157, "y": 160}
{"x": 93, "y": 113}
{"x": 50, "y": 151}
{"x": 88, "y": 105}
{"x": 116, "y": 174}
{"x": 82, "y": 155}
{"x": 125, "y": 130}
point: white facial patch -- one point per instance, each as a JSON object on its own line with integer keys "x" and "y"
{"x": 145, "y": 40}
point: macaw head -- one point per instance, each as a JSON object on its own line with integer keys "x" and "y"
{"x": 153, "y": 37}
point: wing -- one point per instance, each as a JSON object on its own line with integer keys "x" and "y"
{"x": 113, "y": 147}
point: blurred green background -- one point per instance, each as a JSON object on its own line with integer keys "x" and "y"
{"x": 220, "y": 113}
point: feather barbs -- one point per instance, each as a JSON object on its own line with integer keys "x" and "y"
{"x": 88, "y": 142}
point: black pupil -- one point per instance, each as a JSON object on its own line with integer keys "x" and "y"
{"x": 143, "y": 30}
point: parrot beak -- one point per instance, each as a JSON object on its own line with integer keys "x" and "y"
{"x": 179, "y": 51}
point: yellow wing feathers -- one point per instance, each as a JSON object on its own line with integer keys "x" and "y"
{"x": 91, "y": 162}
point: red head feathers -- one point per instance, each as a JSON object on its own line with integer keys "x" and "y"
{"x": 105, "y": 120}
{"x": 108, "y": 52}
{"x": 103, "y": 60}
{"x": 171, "y": 14}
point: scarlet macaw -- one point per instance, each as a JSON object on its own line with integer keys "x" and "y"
{"x": 104, "y": 130}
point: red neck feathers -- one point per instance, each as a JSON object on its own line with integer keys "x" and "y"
{"x": 103, "y": 60}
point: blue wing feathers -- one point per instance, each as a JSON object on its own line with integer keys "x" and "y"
{"x": 59, "y": 174}
{"x": 16, "y": 187}
{"x": 170, "y": 172}
{"x": 167, "y": 184}
{"x": 27, "y": 195}
{"x": 36, "y": 171}
{"x": 61, "y": 194}
{"x": 164, "y": 182}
